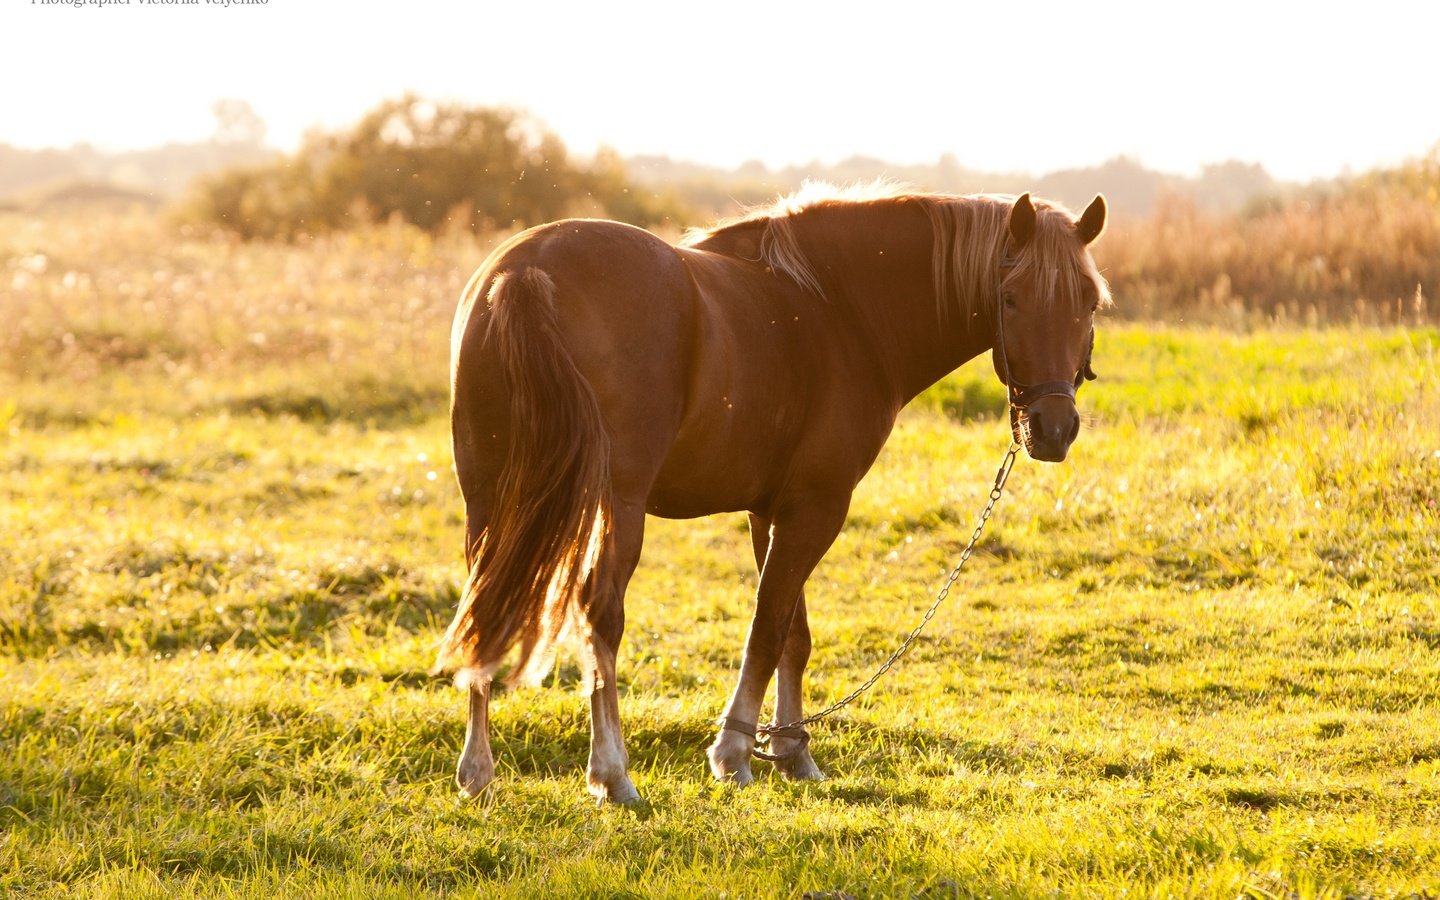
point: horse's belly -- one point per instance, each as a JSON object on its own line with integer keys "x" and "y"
{"x": 686, "y": 488}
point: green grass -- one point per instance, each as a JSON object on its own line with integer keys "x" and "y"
{"x": 1201, "y": 658}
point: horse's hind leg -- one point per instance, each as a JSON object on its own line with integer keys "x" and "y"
{"x": 607, "y": 772}
{"x": 476, "y": 768}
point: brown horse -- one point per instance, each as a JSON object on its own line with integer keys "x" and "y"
{"x": 599, "y": 374}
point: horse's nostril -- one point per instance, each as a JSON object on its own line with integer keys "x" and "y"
{"x": 1054, "y": 426}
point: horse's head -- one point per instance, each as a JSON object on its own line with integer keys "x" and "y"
{"x": 1045, "y": 322}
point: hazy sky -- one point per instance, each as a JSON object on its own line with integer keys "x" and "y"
{"x": 1307, "y": 89}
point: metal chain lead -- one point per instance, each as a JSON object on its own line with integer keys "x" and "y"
{"x": 1001, "y": 475}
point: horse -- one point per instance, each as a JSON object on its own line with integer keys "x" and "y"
{"x": 600, "y": 373}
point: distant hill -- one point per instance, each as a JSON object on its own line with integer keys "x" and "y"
{"x": 160, "y": 173}
{"x": 1132, "y": 189}
{"x": 87, "y": 195}
{"x": 164, "y": 173}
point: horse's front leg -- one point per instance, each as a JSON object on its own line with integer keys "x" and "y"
{"x": 798, "y": 537}
{"x": 795, "y": 761}
{"x": 793, "y": 751}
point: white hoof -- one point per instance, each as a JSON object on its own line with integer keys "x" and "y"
{"x": 473, "y": 775}
{"x": 622, "y": 792}
{"x": 730, "y": 758}
{"x": 800, "y": 767}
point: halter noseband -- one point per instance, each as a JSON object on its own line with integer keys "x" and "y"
{"x": 1020, "y": 396}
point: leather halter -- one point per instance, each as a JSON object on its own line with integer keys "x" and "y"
{"x": 1020, "y": 396}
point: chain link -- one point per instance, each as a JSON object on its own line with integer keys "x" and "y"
{"x": 764, "y": 732}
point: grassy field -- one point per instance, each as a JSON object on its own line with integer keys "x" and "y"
{"x": 1201, "y": 658}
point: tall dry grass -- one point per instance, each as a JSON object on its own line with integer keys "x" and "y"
{"x": 1365, "y": 253}
{"x": 117, "y": 312}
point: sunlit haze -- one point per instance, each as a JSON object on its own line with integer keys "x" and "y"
{"x": 1307, "y": 90}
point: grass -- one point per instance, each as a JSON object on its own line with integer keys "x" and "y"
{"x": 1200, "y": 658}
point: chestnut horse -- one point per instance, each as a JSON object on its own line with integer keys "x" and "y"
{"x": 600, "y": 373}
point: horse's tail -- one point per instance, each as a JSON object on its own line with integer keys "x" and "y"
{"x": 531, "y": 569}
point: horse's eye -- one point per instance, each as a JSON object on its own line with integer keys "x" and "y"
{"x": 1009, "y": 299}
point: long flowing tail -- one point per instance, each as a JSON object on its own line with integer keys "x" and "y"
{"x": 548, "y": 526}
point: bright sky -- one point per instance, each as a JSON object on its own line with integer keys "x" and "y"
{"x": 1307, "y": 89}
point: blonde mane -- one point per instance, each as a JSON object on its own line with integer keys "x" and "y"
{"x": 969, "y": 240}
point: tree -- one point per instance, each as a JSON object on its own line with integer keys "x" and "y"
{"x": 435, "y": 165}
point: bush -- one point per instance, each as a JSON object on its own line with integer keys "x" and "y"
{"x": 436, "y": 166}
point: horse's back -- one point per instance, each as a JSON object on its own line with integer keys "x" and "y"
{"x": 717, "y": 379}
{"x": 607, "y": 276}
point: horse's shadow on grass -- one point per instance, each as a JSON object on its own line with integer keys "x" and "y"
{"x": 565, "y": 747}
{"x": 862, "y": 759}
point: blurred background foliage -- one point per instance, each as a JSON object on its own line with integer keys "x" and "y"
{"x": 1229, "y": 245}
{"x": 434, "y": 165}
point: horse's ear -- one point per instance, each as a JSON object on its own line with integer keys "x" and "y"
{"x": 1022, "y": 221}
{"x": 1092, "y": 221}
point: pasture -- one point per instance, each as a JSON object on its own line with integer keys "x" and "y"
{"x": 1200, "y": 658}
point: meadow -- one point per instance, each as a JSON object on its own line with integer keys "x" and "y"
{"x": 1201, "y": 658}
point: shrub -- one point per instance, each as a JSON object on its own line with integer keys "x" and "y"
{"x": 434, "y": 165}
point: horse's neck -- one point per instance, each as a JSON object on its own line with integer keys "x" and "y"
{"x": 881, "y": 259}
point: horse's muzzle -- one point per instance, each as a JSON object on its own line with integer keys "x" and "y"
{"x": 1047, "y": 427}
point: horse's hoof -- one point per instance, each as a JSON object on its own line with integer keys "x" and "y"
{"x": 621, "y": 792}
{"x": 633, "y": 800}
{"x": 739, "y": 775}
{"x": 730, "y": 758}
{"x": 472, "y": 779}
{"x": 801, "y": 768}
